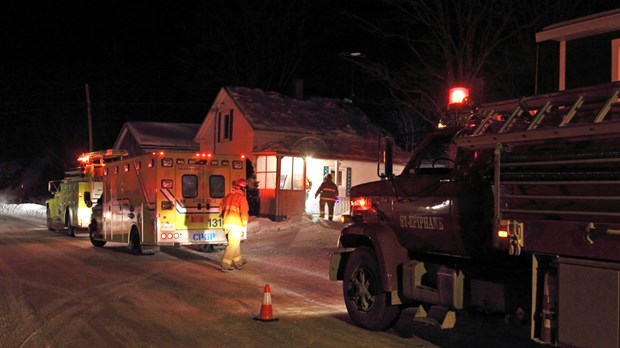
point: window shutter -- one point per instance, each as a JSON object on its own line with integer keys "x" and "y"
{"x": 348, "y": 182}
{"x": 230, "y": 128}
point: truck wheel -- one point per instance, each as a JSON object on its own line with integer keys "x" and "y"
{"x": 49, "y": 218}
{"x": 96, "y": 242}
{"x": 71, "y": 231}
{"x": 367, "y": 304}
{"x": 134, "y": 242}
{"x": 70, "y": 228}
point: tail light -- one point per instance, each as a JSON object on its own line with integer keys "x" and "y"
{"x": 361, "y": 203}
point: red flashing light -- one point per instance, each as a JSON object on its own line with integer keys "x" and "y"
{"x": 361, "y": 203}
{"x": 203, "y": 155}
{"x": 458, "y": 95}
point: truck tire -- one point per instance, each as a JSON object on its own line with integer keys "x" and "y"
{"x": 367, "y": 304}
{"x": 92, "y": 229}
{"x": 49, "y": 218}
{"x": 70, "y": 228}
{"x": 134, "y": 242}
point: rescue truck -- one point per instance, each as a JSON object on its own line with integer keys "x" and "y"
{"x": 74, "y": 195}
{"x": 164, "y": 199}
{"x": 522, "y": 201}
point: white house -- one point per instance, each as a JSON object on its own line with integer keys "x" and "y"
{"x": 292, "y": 143}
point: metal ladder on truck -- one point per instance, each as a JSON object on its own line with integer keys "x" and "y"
{"x": 556, "y": 157}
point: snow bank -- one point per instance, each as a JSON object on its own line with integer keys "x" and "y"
{"x": 255, "y": 225}
{"x": 28, "y": 209}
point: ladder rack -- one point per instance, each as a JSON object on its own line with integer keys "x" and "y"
{"x": 579, "y": 112}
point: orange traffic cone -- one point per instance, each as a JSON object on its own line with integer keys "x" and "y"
{"x": 266, "y": 310}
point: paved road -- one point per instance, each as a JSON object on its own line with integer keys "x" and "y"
{"x": 58, "y": 291}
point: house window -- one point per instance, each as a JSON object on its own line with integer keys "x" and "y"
{"x": 292, "y": 173}
{"x": 225, "y": 129}
{"x": 266, "y": 167}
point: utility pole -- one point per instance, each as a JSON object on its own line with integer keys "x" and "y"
{"x": 90, "y": 120}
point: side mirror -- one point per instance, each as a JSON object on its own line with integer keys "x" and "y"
{"x": 386, "y": 158}
{"x": 87, "y": 199}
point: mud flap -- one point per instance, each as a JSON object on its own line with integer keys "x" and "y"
{"x": 436, "y": 315}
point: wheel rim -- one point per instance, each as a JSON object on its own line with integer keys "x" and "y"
{"x": 362, "y": 290}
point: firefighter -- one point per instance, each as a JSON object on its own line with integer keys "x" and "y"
{"x": 234, "y": 210}
{"x": 329, "y": 193}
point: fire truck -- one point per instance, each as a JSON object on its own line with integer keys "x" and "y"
{"x": 74, "y": 195}
{"x": 519, "y": 207}
{"x": 164, "y": 199}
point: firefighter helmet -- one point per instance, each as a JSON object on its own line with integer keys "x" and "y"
{"x": 241, "y": 183}
{"x": 328, "y": 177}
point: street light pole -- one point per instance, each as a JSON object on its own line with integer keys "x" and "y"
{"x": 350, "y": 56}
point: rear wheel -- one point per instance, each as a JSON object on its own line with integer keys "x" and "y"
{"x": 134, "y": 242}
{"x": 49, "y": 218}
{"x": 72, "y": 231}
{"x": 92, "y": 230}
{"x": 367, "y": 303}
{"x": 70, "y": 228}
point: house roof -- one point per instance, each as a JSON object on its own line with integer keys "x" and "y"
{"x": 349, "y": 147}
{"x": 271, "y": 111}
{"x": 598, "y": 23}
{"x": 159, "y": 135}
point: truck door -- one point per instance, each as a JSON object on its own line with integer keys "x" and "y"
{"x": 424, "y": 198}
{"x": 189, "y": 192}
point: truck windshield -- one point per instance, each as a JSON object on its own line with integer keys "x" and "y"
{"x": 435, "y": 156}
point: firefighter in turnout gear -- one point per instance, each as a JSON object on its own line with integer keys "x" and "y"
{"x": 329, "y": 193}
{"x": 234, "y": 210}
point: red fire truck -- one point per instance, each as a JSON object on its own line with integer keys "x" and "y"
{"x": 517, "y": 207}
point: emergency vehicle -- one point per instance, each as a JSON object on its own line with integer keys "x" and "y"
{"x": 519, "y": 206}
{"x": 164, "y": 199}
{"x": 74, "y": 195}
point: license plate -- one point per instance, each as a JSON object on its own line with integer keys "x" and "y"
{"x": 196, "y": 219}
{"x": 167, "y": 227}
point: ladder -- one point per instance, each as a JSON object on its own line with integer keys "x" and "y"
{"x": 575, "y": 113}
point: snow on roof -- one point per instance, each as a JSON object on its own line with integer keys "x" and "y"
{"x": 162, "y": 135}
{"x": 351, "y": 147}
{"x": 272, "y": 111}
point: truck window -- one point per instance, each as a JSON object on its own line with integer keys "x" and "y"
{"x": 217, "y": 186}
{"x": 436, "y": 157}
{"x": 189, "y": 186}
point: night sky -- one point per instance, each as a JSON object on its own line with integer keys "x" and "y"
{"x": 150, "y": 61}
{"x": 165, "y": 61}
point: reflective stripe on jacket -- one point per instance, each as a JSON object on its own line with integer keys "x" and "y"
{"x": 234, "y": 208}
{"x": 328, "y": 191}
